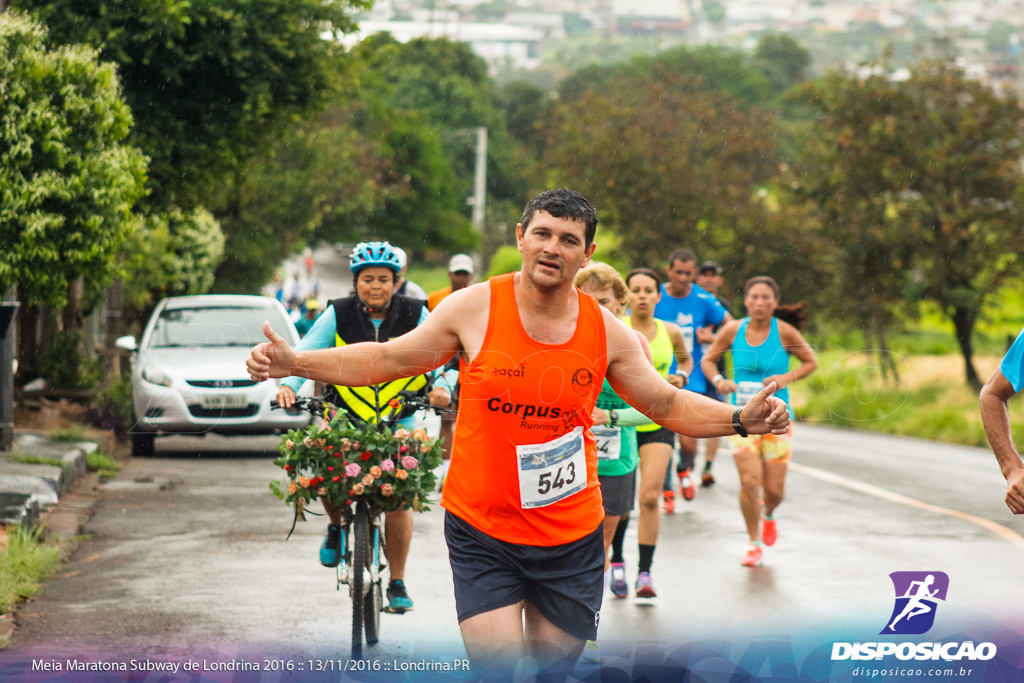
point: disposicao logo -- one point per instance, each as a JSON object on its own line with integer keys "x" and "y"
{"x": 918, "y": 595}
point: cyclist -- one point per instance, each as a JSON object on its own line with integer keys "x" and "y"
{"x": 761, "y": 346}
{"x": 709, "y": 276}
{"x": 995, "y": 414}
{"x": 654, "y": 441}
{"x": 403, "y": 286}
{"x": 522, "y": 497}
{"x": 696, "y": 312}
{"x": 372, "y": 313}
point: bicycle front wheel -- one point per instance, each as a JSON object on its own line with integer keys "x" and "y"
{"x": 360, "y": 577}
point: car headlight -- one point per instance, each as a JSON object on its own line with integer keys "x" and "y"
{"x": 154, "y": 376}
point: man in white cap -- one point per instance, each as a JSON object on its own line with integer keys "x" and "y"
{"x": 407, "y": 287}
{"x": 460, "y": 273}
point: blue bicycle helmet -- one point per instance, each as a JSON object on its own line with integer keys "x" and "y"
{"x": 369, "y": 254}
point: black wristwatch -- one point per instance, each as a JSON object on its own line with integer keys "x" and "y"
{"x": 737, "y": 424}
{"x": 613, "y": 417}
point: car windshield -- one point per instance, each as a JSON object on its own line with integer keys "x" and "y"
{"x": 213, "y": 326}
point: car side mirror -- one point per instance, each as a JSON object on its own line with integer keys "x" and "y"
{"x": 126, "y": 343}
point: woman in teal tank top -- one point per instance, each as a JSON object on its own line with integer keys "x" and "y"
{"x": 761, "y": 346}
{"x": 655, "y": 442}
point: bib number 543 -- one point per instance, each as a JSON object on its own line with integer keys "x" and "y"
{"x": 547, "y": 481}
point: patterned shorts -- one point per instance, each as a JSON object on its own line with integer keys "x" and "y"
{"x": 771, "y": 447}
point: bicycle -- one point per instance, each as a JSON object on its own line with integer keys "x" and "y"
{"x": 362, "y": 550}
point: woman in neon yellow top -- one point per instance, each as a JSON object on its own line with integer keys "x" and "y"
{"x": 654, "y": 442}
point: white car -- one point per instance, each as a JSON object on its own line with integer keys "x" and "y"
{"x": 189, "y": 374}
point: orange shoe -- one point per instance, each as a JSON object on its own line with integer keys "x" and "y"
{"x": 752, "y": 558}
{"x": 669, "y": 502}
{"x": 686, "y": 486}
{"x": 769, "y": 531}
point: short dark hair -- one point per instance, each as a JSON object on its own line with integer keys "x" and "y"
{"x": 563, "y": 203}
{"x": 643, "y": 271}
{"x": 763, "y": 280}
{"x": 684, "y": 255}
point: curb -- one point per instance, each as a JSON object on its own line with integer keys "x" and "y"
{"x": 28, "y": 489}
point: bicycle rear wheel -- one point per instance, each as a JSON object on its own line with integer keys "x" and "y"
{"x": 360, "y": 560}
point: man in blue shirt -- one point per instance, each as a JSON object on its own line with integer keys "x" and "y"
{"x": 995, "y": 414}
{"x": 697, "y": 313}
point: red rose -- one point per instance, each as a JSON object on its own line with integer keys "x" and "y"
{"x": 336, "y": 455}
{"x": 403, "y": 449}
{"x": 336, "y": 479}
{"x": 366, "y": 455}
{"x": 330, "y": 469}
{"x": 348, "y": 502}
{"x": 287, "y": 468}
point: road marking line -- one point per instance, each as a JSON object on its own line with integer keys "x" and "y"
{"x": 1003, "y": 532}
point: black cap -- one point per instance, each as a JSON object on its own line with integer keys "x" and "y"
{"x": 710, "y": 265}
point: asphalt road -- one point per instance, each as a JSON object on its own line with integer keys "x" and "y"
{"x": 188, "y": 555}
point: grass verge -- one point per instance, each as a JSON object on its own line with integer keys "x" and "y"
{"x": 37, "y": 460}
{"x": 27, "y": 563}
{"x": 103, "y": 465}
{"x": 71, "y": 434}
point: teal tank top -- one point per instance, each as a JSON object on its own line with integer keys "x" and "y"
{"x": 751, "y": 364}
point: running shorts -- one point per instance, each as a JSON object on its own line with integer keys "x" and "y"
{"x": 771, "y": 447}
{"x": 564, "y": 582}
{"x": 660, "y": 435}
{"x": 618, "y": 493}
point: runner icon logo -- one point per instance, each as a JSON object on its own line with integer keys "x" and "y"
{"x": 917, "y": 598}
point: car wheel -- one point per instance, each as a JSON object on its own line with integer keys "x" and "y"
{"x": 143, "y": 445}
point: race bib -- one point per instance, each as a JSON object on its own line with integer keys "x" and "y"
{"x": 609, "y": 442}
{"x": 552, "y": 471}
{"x": 745, "y": 391}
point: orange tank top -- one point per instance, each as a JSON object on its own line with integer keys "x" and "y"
{"x": 524, "y": 462}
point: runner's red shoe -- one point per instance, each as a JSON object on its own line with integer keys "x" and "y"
{"x": 769, "y": 531}
{"x": 686, "y": 486}
{"x": 752, "y": 558}
{"x": 669, "y": 502}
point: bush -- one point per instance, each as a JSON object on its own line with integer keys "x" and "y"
{"x": 112, "y": 408}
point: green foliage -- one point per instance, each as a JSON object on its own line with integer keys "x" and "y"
{"x": 506, "y": 260}
{"x": 112, "y": 407}
{"x": 391, "y": 469}
{"x": 69, "y": 179}
{"x": 37, "y": 460}
{"x": 783, "y": 60}
{"x": 172, "y": 254}
{"x": 26, "y": 564}
{"x": 208, "y": 82}
{"x": 105, "y": 466}
{"x": 74, "y": 433}
{"x": 62, "y": 369}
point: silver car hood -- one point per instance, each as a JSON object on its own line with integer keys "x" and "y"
{"x": 215, "y": 362}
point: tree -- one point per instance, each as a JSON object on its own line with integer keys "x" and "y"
{"x": 208, "y": 82}
{"x": 782, "y": 59}
{"x": 918, "y": 182}
{"x": 69, "y": 178}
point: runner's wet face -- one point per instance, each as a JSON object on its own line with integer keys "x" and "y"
{"x": 644, "y": 294}
{"x": 553, "y": 249}
{"x": 680, "y": 277}
{"x": 375, "y": 285}
{"x": 605, "y": 297}
{"x": 760, "y": 301}
{"x": 709, "y": 280}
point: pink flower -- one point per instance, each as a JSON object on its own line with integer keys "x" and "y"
{"x": 358, "y": 489}
{"x": 387, "y": 465}
{"x": 409, "y": 462}
{"x": 386, "y": 489}
{"x": 375, "y": 472}
{"x": 355, "y": 445}
{"x": 402, "y": 434}
{"x": 352, "y": 470}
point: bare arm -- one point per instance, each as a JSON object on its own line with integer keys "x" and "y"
{"x": 685, "y": 412}
{"x": 995, "y": 415}
{"x": 418, "y": 351}
{"x": 684, "y": 361}
{"x": 797, "y": 346}
{"x": 709, "y": 361}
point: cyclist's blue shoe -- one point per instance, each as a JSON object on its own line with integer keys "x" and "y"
{"x": 330, "y": 551}
{"x": 398, "y": 598}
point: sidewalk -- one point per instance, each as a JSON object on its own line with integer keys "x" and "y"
{"x": 28, "y": 489}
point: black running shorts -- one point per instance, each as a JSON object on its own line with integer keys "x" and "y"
{"x": 564, "y": 582}
{"x": 660, "y": 435}
{"x": 618, "y": 493}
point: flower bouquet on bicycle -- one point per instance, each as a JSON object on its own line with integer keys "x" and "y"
{"x": 349, "y": 461}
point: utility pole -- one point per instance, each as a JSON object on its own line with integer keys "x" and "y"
{"x": 480, "y": 180}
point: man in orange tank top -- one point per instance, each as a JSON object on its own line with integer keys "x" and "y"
{"x": 524, "y": 512}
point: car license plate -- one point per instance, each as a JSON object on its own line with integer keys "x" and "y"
{"x": 213, "y": 401}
